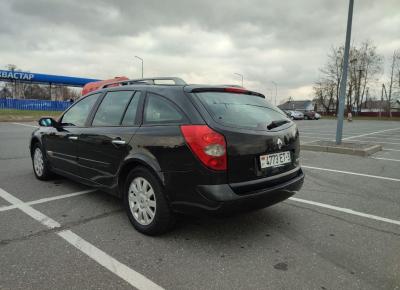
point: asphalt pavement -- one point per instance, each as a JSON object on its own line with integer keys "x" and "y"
{"x": 341, "y": 231}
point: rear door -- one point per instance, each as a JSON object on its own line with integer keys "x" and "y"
{"x": 103, "y": 145}
{"x": 261, "y": 140}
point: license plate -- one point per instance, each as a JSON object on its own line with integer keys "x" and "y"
{"x": 276, "y": 159}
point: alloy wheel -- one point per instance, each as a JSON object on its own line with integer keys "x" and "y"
{"x": 142, "y": 201}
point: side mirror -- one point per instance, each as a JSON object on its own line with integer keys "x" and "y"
{"x": 48, "y": 122}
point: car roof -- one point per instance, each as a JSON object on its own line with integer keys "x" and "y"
{"x": 186, "y": 88}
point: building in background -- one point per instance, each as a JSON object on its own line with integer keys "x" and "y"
{"x": 302, "y": 106}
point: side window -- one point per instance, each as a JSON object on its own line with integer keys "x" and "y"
{"x": 78, "y": 113}
{"x": 160, "y": 110}
{"x": 112, "y": 108}
{"x": 130, "y": 114}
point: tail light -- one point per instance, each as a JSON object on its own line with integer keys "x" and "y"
{"x": 208, "y": 145}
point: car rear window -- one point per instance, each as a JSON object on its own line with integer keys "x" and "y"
{"x": 240, "y": 110}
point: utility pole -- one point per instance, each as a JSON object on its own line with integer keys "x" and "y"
{"x": 360, "y": 70}
{"x": 343, "y": 81}
{"x": 380, "y": 105}
{"x": 141, "y": 59}
{"x": 240, "y": 76}
{"x": 276, "y": 90}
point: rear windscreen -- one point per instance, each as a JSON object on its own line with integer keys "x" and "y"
{"x": 240, "y": 110}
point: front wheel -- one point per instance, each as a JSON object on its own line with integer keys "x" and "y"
{"x": 146, "y": 204}
{"x": 40, "y": 164}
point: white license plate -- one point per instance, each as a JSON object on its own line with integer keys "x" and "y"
{"x": 276, "y": 159}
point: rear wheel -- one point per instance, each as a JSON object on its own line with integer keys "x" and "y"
{"x": 305, "y": 117}
{"x": 146, "y": 204}
{"x": 40, "y": 165}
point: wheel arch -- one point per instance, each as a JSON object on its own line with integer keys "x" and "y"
{"x": 136, "y": 161}
{"x": 34, "y": 140}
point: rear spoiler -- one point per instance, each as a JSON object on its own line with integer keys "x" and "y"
{"x": 235, "y": 90}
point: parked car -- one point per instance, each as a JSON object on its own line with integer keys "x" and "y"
{"x": 167, "y": 149}
{"x": 309, "y": 115}
{"x": 295, "y": 115}
{"x": 317, "y": 116}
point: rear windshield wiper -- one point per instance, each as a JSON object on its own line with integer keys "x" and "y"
{"x": 276, "y": 123}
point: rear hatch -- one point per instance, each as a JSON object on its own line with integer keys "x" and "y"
{"x": 261, "y": 140}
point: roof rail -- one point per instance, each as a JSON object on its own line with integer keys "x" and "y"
{"x": 148, "y": 81}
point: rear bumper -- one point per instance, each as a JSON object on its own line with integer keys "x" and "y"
{"x": 224, "y": 198}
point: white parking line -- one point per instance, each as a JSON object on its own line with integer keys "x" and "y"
{"x": 382, "y": 158}
{"x": 129, "y": 275}
{"x": 372, "y": 133}
{"x": 375, "y": 142}
{"x": 316, "y": 135}
{"x": 26, "y": 125}
{"x": 352, "y": 173}
{"x": 42, "y": 200}
{"x": 382, "y": 138}
{"x": 387, "y": 149}
{"x": 359, "y": 141}
{"x": 346, "y": 210}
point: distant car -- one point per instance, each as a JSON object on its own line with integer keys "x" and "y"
{"x": 287, "y": 113}
{"x": 295, "y": 115}
{"x": 317, "y": 116}
{"x": 309, "y": 115}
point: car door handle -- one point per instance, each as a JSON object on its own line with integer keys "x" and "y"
{"x": 118, "y": 142}
{"x": 73, "y": 137}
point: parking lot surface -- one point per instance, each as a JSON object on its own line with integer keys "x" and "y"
{"x": 341, "y": 231}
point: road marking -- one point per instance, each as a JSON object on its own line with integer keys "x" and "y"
{"x": 132, "y": 277}
{"x": 316, "y": 135}
{"x": 347, "y": 210}
{"x": 372, "y": 133}
{"x": 375, "y": 142}
{"x": 386, "y": 149}
{"x": 382, "y": 138}
{"x": 310, "y": 137}
{"x": 43, "y": 200}
{"x": 382, "y": 158}
{"x": 129, "y": 275}
{"x": 356, "y": 140}
{"x": 26, "y": 125}
{"x": 352, "y": 173}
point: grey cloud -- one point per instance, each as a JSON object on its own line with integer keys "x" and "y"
{"x": 284, "y": 41}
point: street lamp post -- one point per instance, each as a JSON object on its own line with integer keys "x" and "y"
{"x": 141, "y": 59}
{"x": 240, "y": 76}
{"x": 276, "y": 90}
{"x": 343, "y": 81}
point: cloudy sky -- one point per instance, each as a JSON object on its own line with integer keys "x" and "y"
{"x": 201, "y": 41}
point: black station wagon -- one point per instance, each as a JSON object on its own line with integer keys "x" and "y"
{"x": 173, "y": 148}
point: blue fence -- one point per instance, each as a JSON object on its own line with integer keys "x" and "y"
{"x": 34, "y": 105}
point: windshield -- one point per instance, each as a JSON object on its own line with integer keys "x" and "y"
{"x": 241, "y": 110}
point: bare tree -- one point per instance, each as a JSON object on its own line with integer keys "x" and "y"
{"x": 369, "y": 65}
{"x": 332, "y": 71}
{"x": 365, "y": 65}
{"x": 325, "y": 94}
{"x": 395, "y": 65}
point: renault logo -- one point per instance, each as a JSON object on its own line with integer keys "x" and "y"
{"x": 279, "y": 143}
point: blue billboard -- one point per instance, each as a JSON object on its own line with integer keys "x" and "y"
{"x": 8, "y": 75}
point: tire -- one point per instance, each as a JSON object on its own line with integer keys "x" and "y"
{"x": 305, "y": 117}
{"x": 291, "y": 117}
{"x": 139, "y": 205}
{"x": 41, "y": 167}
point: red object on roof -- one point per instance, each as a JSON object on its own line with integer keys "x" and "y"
{"x": 93, "y": 86}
